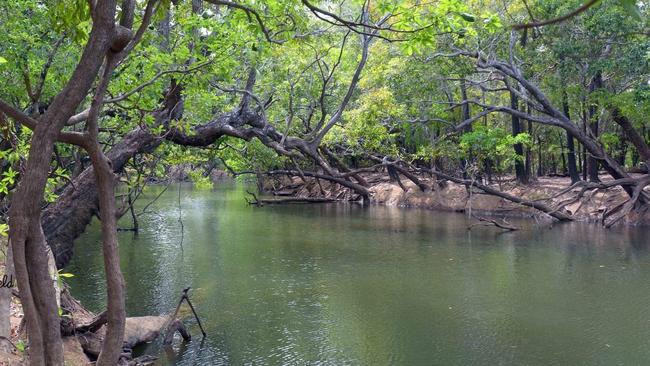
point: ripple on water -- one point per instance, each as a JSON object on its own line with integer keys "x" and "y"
{"x": 345, "y": 285}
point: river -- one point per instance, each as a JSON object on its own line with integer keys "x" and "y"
{"x": 341, "y": 284}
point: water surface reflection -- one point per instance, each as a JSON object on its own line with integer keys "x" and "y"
{"x": 343, "y": 284}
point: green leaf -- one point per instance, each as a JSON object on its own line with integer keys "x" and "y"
{"x": 21, "y": 346}
{"x": 631, "y": 8}
{"x": 3, "y": 60}
{"x": 468, "y": 17}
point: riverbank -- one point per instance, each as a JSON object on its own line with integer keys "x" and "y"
{"x": 450, "y": 196}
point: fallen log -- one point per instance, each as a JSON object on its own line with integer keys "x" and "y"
{"x": 176, "y": 325}
{"x": 284, "y": 193}
{"x": 138, "y": 330}
{"x": 88, "y": 329}
{"x": 144, "y": 329}
{"x": 73, "y": 352}
{"x": 284, "y": 200}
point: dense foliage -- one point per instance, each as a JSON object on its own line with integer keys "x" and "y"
{"x": 403, "y": 106}
{"x": 475, "y": 89}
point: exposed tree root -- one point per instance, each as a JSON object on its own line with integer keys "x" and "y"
{"x": 558, "y": 210}
{"x": 560, "y": 215}
{"x": 357, "y": 188}
{"x": 617, "y": 213}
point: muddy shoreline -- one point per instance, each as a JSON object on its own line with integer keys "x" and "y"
{"x": 453, "y": 197}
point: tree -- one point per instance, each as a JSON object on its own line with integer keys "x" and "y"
{"x": 306, "y": 89}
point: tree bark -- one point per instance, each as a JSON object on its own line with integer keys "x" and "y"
{"x": 520, "y": 170}
{"x": 466, "y": 114}
{"x": 26, "y": 234}
{"x": 116, "y": 310}
{"x": 592, "y": 163}
{"x": 571, "y": 150}
{"x": 105, "y": 181}
{"x": 630, "y": 132}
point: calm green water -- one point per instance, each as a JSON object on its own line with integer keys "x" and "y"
{"x": 346, "y": 285}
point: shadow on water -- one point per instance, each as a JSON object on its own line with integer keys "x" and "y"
{"x": 342, "y": 284}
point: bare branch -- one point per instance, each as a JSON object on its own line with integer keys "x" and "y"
{"x": 348, "y": 95}
{"x": 249, "y": 11}
{"x": 562, "y": 18}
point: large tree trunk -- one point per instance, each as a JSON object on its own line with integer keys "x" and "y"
{"x": 66, "y": 219}
{"x": 571, "y": 153}
{"x": 592, "y": 163}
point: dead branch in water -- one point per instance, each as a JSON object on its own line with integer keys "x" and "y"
{"x": 278, "y": 201}
{"x": 175, "y": 325}
{"x": 88, "y": 329}
{"x": 484, "y": 221}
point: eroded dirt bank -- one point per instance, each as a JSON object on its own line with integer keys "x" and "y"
{"x": 449, "y": 196}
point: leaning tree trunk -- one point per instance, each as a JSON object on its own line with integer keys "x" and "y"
{"x": 68, "y": 217}
{"x": 635, "y": 138}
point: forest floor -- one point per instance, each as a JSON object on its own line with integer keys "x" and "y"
{"x": 450, "y": 196}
